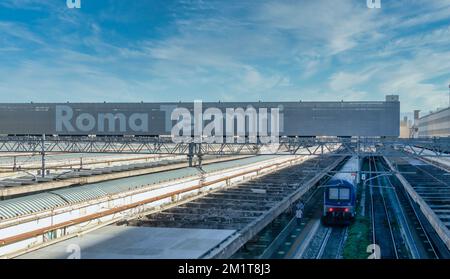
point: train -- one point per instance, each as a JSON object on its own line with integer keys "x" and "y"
{"x": 339, "y": 201}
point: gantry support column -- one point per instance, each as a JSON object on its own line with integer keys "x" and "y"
{"x": 43, "y": 156}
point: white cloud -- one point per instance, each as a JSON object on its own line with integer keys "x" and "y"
{"x": 17, "y": 32}
{"x": 343, "y": 81}
{"x": 339, "y": 26}
{"x": 275, "y": 50}
{"x": 413, "y": 79}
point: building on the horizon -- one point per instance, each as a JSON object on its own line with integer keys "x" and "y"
{"x": 406, "y": 128}
{"x": 435, "y": 124}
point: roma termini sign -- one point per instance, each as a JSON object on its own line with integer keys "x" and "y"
{"x": 197, "y": 119}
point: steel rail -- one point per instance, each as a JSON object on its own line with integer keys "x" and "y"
{"x": 415, "y": 212}
{"x": 408, "y": 229}
{"x": 422, "y": 228}
{"x": 324, "y": 243}
{"x": 388, "y": 217}
{"x": 374, "y": 238}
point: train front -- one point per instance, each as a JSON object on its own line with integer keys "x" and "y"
{"x": 339, "y": 202}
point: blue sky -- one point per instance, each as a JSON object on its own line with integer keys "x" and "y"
{"x": 247, "y": 50}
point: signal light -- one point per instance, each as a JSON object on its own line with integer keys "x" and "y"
{"x": 346, "y": 210}
{"x": 330, "y": 210}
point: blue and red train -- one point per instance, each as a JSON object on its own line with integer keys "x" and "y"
{"x": 340, "y": 192}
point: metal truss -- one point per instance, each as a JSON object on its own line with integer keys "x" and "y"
{"x": 431, "y": 147}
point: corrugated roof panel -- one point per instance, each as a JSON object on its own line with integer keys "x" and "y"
{"x": 25, "y": 207}
{"x": 43, "y": 203}
{"x": 29, "y": 204}
{"x": 5, "y": 213}
{"x": 130, "y": 183}
{"x": 236, "y": 163}
{"x": 80, "y": 194}
{"x": 40, "y": 202}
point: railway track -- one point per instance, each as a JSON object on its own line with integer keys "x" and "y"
{"x": 396, "y": 225}
{"x": 405, "y": 231}
{"x": 309, "y": 239}
{"x": 240, "y": 206}
{"x": 282, "y": 246}
{"x": 287, "y": 241}
{"x": 317, "y": 241}
{"x": 382, "y": 229}
{"x": 421, "y": 241}
{"x": 428, "y": 243}
{"x": 328, "y": 243}
{"x": 322, "y": 242}
{"x": 334, "y": 243}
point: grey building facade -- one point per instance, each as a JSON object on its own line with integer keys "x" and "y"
{"x": 436, "y": 124}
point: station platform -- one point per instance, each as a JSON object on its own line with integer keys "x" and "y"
{"x": 122, "y": 242}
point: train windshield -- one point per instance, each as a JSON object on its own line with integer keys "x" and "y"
{"x": 339, "y": 194}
